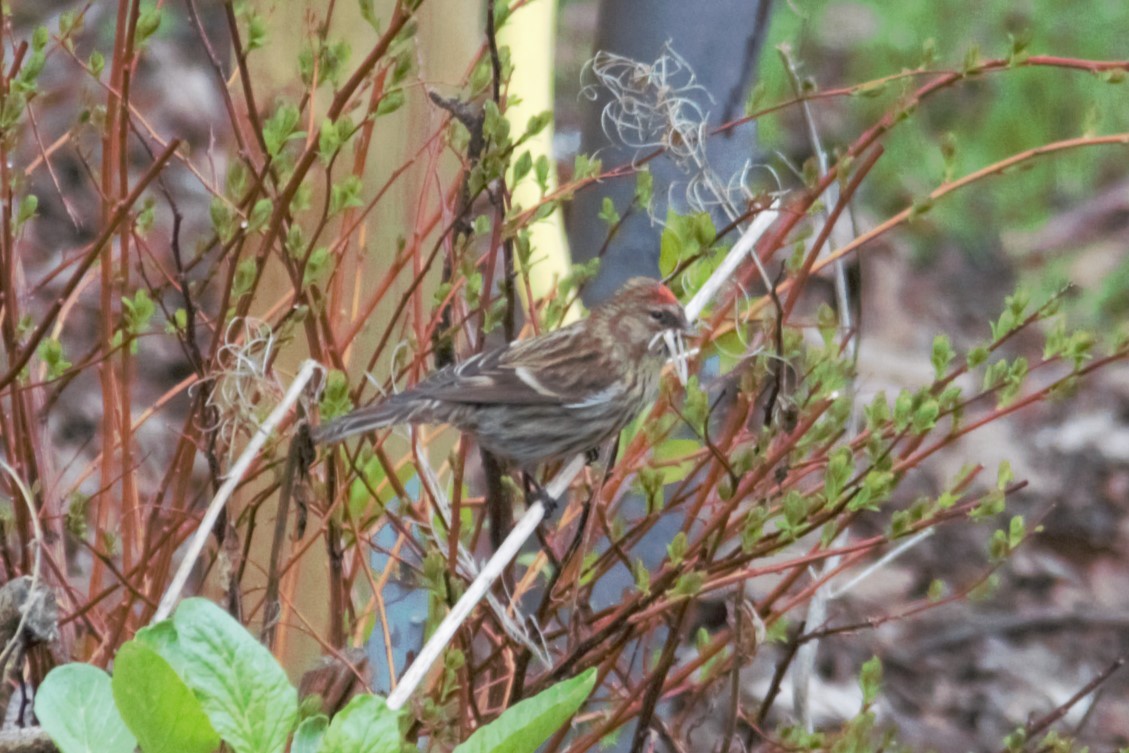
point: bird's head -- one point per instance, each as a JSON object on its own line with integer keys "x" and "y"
{"x": 645, "y": 317}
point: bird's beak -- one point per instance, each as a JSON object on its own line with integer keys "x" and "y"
{"x": 676, "y": 348}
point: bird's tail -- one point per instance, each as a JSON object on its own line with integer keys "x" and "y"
{"x": 398, "y": 409}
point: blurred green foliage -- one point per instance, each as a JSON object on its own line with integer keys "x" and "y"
{"x": 975, "y": 122}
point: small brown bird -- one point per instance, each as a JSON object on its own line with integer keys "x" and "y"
{"x": 550, "y": 397}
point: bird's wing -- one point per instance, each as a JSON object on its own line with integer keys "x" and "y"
{"x": 555, "y": 369}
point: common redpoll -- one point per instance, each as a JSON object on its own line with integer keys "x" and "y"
{"x": 550, "y": 397}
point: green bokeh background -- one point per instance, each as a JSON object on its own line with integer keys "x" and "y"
{"x": 990, "y": 117}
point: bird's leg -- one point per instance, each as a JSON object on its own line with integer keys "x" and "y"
{"x": 581, "y": 529}
{"x": 554, "y": 561}
{"x": 534, "y": 492}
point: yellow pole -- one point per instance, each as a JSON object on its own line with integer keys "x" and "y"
{"x": 530, "y": 33}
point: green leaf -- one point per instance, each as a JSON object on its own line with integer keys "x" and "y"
{"x": 972, "y": 60}
{"x": 537, "y": 122}
{"x": 75, "y": 706}
{"x": 993, "y": 504}
{"x": 1113, "y": 75}
{"x": 688, "y": 584}
{"x": 949, "y": 397}
{"x": 544, "y": 210}
{"x": 796, "y": 507}
{"x": 943, "y": 355}
{"x": 1016, "y": 532}
{"x": 295, "y": 242}
{"x": 243, "y": 690}
{"x": 675, "y": 449}
{"x": 753, "y": 528}
{"x": 1079, "y": 346}
{"x": 870, "y": 679}
{"x": 335, "y": 400}
{"x": 345, "y": 195}
{"x": 308, "y": 736}
{"x": 329, "y": 140}
{"x": 70, "y": 23}
{"x": 138, "y": 311}
{"x": 997, "y": 546}
{"x": 366, "y": 725}
{"x": 481, "y": 75}
{"x": 28, "y": 207}
{"x": 317, "y": 264}
{"x": 222, "y": 219}
{"x": 51, "y": 352}
{"x": 925, "y": 417}
{"x": 279, "y": 128}
{"x": 162, "y": 638}
{"x": 501, "y": 13}
{"x": 903, "y": 405}
{"x": 684, "y": 237}
{"x": 368, "y": 13}
{"x": 642, "y": 577}
{"x": 40, "y": 37}
{"x": 260, "y": 213}
{"x": 541, "y": 171}
{"x": 1019, "y": 44}
{"x": 524, "y": 726}
{"x": 585, "y": 167}
{"x": 306, "y": 65}
{"x": 371, "y": 477}
{"x": 390, "y": 102}
{"x": 148, "y": 213}
{"x": 332, "y": 58}
{"x": 156, "y": 704}
{"x": 755, "y": 98}
{"x": 920, "y": 207}
{"x": 875, "y": 489}
{"x": 256, "y": 31}
{"x": 522, "y": 166}
{"x": 1004, "y": 476}
{"x": 97, "y": 63}
{"x": 644, "y": 187}
{"x": 608, "y": 212}
{"x": 977, "y": 356}
{"x": 177, "y": 323}
{"x": 244, "y": 278}
{"x": 840, "y": 468}
{"x": 676, "y": 549}
{"x": 878, "y": 412}
{"x": 495, "y": 125}
{"x": 148, "y": 22}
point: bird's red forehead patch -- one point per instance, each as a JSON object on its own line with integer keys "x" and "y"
{"x": 663, "y": 294}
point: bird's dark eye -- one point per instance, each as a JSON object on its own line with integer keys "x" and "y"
{"x": 657, "y": 315}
